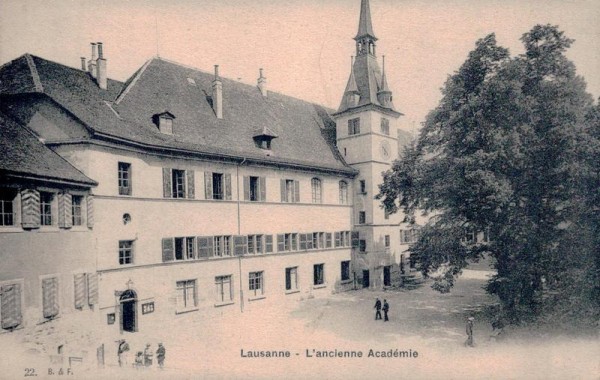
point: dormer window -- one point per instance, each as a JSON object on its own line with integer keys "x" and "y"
{"x": 164, "y": 122}
{"x": 263, "y": 138}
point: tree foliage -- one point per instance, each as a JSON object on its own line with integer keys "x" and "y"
{"x": 513, "y": 149}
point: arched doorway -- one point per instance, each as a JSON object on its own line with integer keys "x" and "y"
{"x": 128, "y": 302}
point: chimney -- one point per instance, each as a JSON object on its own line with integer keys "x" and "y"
{"x": 92, "y": 61}
{"x": 101, "y": 78}
{"x": 262, "y": 83}
{"x": 83, "y": 64}
{"x": 217, "y": 94}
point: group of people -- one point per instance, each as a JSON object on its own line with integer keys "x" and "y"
{"x": 143, "y": 359}
{"x": 378, "y": 307}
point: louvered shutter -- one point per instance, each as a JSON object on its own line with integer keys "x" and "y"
{"x": 302, "y": 242}
{"x": 167, "y": 186}
{"x": 240, "y": 245}
{"x": 167, "y": 249}
{"x": 280, "y": 243}
{"x": 50, "y": 297}
{"x": 65, "y": 210}
{"x": 89, "y": 202}
{"x": 79, "y": 290}
{"x": 92, "y": 287}
{"x": 246, "y": 188}
{"x": 283, "y": 192}
{"x": 10, "y": 306}
{"x": 263, "y": 189}
{"x": 208, "y": 185}
{"x": 30, "y": 208}
{"x": 296, "y": 191}
{"x": 227, "y": 186}
{"x": 205, "y": 246}
{"x": 269, "y": 243}
{"x": 191, "y": 186}
{"x": 355, "y": 239}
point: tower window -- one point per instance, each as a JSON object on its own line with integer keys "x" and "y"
{"x": 385, "y": 126}
{"x": 362, "y": 217}
{"x": 354, "y": 126}
{"x": 363, "y": 186}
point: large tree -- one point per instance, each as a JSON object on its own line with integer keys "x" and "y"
{"x": 512, "y": 149}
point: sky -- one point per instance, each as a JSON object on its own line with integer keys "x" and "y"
{"x": 304, "y": 46}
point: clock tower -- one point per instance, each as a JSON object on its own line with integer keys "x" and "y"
{"x": 366, "y": 123}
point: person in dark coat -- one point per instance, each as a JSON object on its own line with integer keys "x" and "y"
{"x": 148, "y": 356}
{"x": 123, "y": 353}
{"x": 386, "y": 308}
{"x": 160, "y": 355}
{"x": 378, "y": 309}
{"x": 469, "y": 331}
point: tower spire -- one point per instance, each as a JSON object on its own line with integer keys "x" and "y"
{"x": 384, "y": 95}
{"x": 365, "y": 26}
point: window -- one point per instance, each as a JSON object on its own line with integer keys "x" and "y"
{"x": 178, "y": 183}
{"x": 409, "y": 236}
{"x": 50, "y": 297}
{"x": 256, "y": 284}
{"x": 125, "y": 252}
{"x": 345, "y": 270}
{"x": 470, "y": 236}
{"x": 165, "y": 125}
{"x": 316, "y": 190}
{"x": 387, "y": 241}
{"x": 46, "y": 200}
{"x": 189, "y": 248}
{"x": 222, "y": 246}
{"x": 291, "y": 278}
{"x": 224, "y": 288}
{"x": 184, "y": 248}
{"x": 354, "y": 126}
{"x": 319, "y": 274}
{"x": 362, "y": 245}
{"x": 385, "y": 126}
{"x": 186, "y": 294}
{"x": 386, "y": 214}
{"x": 287, "y": 242}
{"x": 343, "y": 192}
{"x": 76, "y": 201}
{"x": 7, "y": 213}
{"x": 124, "y": 169}
{"x": 269, "y": 243}
{"x": 363, "y": 186}
{"x": 255, "y": 189}
{"x": 362, "y": 217}
{"x": 328, "y": 240}
{"x": 217, "y": 186}
{"x": 10, "y": 311}
{"x": 255, "y": 244}
{"x": 290, "y": 191}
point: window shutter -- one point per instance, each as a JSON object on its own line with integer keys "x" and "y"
{"x": 302, "y": 242}
{"x": 30, "y": 208}
{"x": 50, "y": 297}
{"x": 269, "y": 243}
{"x": 205, "y": 246}
{"x": 328, "y": 240}
{"x": 283, "y": 191}
{"x": 191, "y": 186}
{"x": 79, "y": 290}
{"x": 240, "y": 244}
{"x": 65, "y": 210}
{"x": 280, "y": 243}
{"x": 167, "y": 249}
{"x": 167, "y": 187}
{"x": 246, "y": 188}
{"x": 227, "y": 186}
{"x": 10, "y": 307}
{"x": 263, "y": 189}
{"x": 89, "y": 205}
{"x": 337, "y": 239}
{"x": 296, "y": 191}
{"x": 355, "y": 239}
{"x": 208, "y": 185}
{"x": 92, "y": 283}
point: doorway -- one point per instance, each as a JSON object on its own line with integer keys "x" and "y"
{"x": 387, "y": 275}
{"x": 365, "y": 278}
{"x": 128, "y": 310}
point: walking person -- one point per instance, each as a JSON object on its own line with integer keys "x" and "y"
{"x": 123, "y": 353}
{"x": 378, "y": 309}
{"x": 469, "y": 330}
{"x": 386, "y": 308}
{"x": 148, "y": 356}
{"x": 160, "y": 355}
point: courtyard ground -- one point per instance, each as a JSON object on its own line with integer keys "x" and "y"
{"x": 421, "y": 320}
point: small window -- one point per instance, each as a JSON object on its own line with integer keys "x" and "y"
{"x": 254, "y": 189}
{"x": 316, "y": 190}
{"x": 186, "y": 294}
{"x": 387, "y": 241}
{"x": 269, "y": 243}
{"x": 46, "y": 200}
{"x": 124, "y": 173}
{"x": 363, "y": 186}
{"x": 222, "y": 246}
{"x": 385, "y": 126}
{"x": 178, "y": 183}
{"x": 319, "y": 274}
{"x": 386, "y": 214}
{"x": 218, "y": 186}
{"x": 224, "y": 288}
{"x": 125, "y": 252}
{"x": 362, "y": 217}
{"x": 256, "y": 284}
{"x": 77, "y": 212}
{"x": 354, "y": 126}
{"x": 345, "y": 270}
{"x": 291, "y": 278}
{"x": 362, "y": 246}
{"x": 343, "y": 192}
{"x": 7, "y": 207}
{"x": 217, "y": 180}
{"x": 290, "y": 191}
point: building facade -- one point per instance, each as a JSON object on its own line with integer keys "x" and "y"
{"x": 209, "y": 196}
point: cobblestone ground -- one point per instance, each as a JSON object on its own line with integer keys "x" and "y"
{"x": 421, "y": 321}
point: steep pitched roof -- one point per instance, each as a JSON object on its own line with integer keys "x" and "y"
{"x": 365, "y": 26}
{"x": 22, "y": 154}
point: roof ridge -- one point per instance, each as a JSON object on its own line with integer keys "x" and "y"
{"x": 134, "y": 80}
{"x": 35, "y": 76}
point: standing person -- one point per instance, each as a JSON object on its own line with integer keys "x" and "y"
{"x": 386, "y": 308}
{"x": 148, "y": 356}
{"x": 378, "y": 308}
{"x": 160, "y": 355}
{"x": 123, "y": 353}
{"x": 469, "y": 330}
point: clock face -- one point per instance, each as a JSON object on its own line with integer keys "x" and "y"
{"x": 386, "y": 150}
